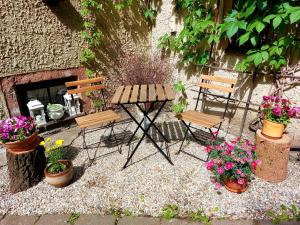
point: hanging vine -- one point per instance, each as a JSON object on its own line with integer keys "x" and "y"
{"x": 267, "y": 28}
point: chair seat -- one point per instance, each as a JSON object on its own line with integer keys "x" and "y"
{"x": 97, "y": 118}
{"x": 200, "y": 118}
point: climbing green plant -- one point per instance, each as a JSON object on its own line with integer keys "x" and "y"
{"x": 90, "y": 33}
{"x": 266, "y": 27}
{"x": 180, "y": 105}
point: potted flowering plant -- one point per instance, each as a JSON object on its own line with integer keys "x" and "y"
{"x": 276, "y": 114}
{"x": 19, "y": 134}
{"x": 232, "y": 164}
{"x": 58, "y": 172}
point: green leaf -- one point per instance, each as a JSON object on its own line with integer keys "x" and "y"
{"x": 232, "y": 29}
{"x": 265, "y": 47}
{"x": 295, "y": 16}
{"x": 260, "y": 26}
{"x": 265, "y": 55}
{"x": 254, "y": 40}
{"x": 257, "y": 59}
{"x": 244, "y": 38}
{"x": 268, "y": 18}
{"x": 277, "y": 21}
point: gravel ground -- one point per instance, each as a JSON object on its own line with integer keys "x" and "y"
{"x": 147, "y": 185}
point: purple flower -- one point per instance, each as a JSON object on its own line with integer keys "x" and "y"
{"x": 5, "y": 136}
{"x": 293, "y": 112}
{"x": 277, "y": 111}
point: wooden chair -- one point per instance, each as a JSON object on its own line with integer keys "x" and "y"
{"x": 88, "y": 123}
{"x": 225, "y": 85}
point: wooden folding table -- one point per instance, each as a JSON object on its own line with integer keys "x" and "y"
{"x": 137, "y": 94}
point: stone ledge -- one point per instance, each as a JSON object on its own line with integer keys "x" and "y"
{"x": 19, "y": 220}
{"x": 95, "y": 220}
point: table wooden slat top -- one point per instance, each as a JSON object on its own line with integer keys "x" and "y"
{"x": 152, "y": 93}
{"x": 126, "y": 95}
{"x": 160, "y": 92}
{"x": 143, "y": 93}
{"x": 117, "y": 96}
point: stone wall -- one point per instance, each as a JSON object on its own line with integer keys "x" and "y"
{"x": 167, "y": 22}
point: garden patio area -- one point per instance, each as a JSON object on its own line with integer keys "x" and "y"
{"x": 148, "y": 185}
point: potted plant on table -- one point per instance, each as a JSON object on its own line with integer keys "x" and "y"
{"x": 58, "y": 172}
{"x": 19, "y": 134}
{"x": 276, "y": 114}
{"x": 232, "y": 164}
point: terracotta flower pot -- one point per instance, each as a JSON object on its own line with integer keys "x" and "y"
{"x": 61, "y": 179}
{"x": 25, "y": 145}
{"x": 272, "y": 129}
{"x": 234, "y": 186}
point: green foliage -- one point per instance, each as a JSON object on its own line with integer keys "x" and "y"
{"x": 170, "y": 212}
{"x": 181, "y": 104}
{"x": 118, "y": 212}
{"x": 200, "y": 216}
{"x": 268, "y": 27}
{"x": 285, "y": 213}
{"x": 73, "y": 218}
{"x": 87, "y": 56}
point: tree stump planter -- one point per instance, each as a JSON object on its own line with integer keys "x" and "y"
{"x": 25, "y": 168}
{"x": 274, "y": 156}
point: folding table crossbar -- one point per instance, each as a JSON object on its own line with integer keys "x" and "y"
{"x": 138, "y": 94}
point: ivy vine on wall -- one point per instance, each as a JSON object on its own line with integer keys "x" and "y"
{"x": 267, "y": 27}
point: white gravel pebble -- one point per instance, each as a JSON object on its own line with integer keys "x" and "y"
{"x": 146, "y": 186}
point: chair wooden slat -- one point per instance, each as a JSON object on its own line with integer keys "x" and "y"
{"x": 86, "y": 81}
{"x": 126, "y": 94}
{"x": 219, "y": 79}
{"x": 169, "y": 92}
{"x": 97, "y": 118}
{"x": 85, "y": 89}
{"x": 143, "y": 93}
{"x": 134, "y": 94}
{"x": 201, "y": 119}
{"x": 160, "y": 92}
{"x": 216, "y": 87}
{"x": 152, "y": 93}
{"x": 117, "y": 96}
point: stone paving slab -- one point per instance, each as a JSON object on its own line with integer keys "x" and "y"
{"x": 139, "y": 221}
{"x": 179, "y": 222}
{"x": 55, "y": 219}
{"x": 268, "y": 222}
{"x": 96, "y": 220}
{"x": 233, "y": 222}
{"x": 19, "y": 220}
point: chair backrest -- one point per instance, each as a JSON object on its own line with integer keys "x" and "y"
{"x": 92, "y": 84}
{"x": 218, "y": 83}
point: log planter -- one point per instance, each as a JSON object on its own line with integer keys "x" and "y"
{"x": 25, "y": 168}
{"x": 274, "y": 156}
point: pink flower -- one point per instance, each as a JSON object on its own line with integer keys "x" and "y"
{"x": 209, "y": 165}
{"x": 255, "y": 163}
{"x": 277, "y": 111}
{"x": 208, "y": 149}
{"x": 219, "y": 147}
{"x": 239, "y": 171}
{"x": 220, "y": 170}
{"x": 218, "y": 185}
{"x": 241, "y": 181}
{"x": 266, "y": 98}
{"x": 229, "y": 165}
{"x": 218, "y": 162}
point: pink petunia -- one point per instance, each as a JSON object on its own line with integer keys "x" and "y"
{"x": 229, "y": 165}
{"x": 241, "y": 181}
{"x": 220, "y": 170}
{"x": 209, "y": 165}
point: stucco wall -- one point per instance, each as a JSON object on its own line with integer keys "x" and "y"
{"x": 168, "y": 22}
{"x": 35, "y": 37}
